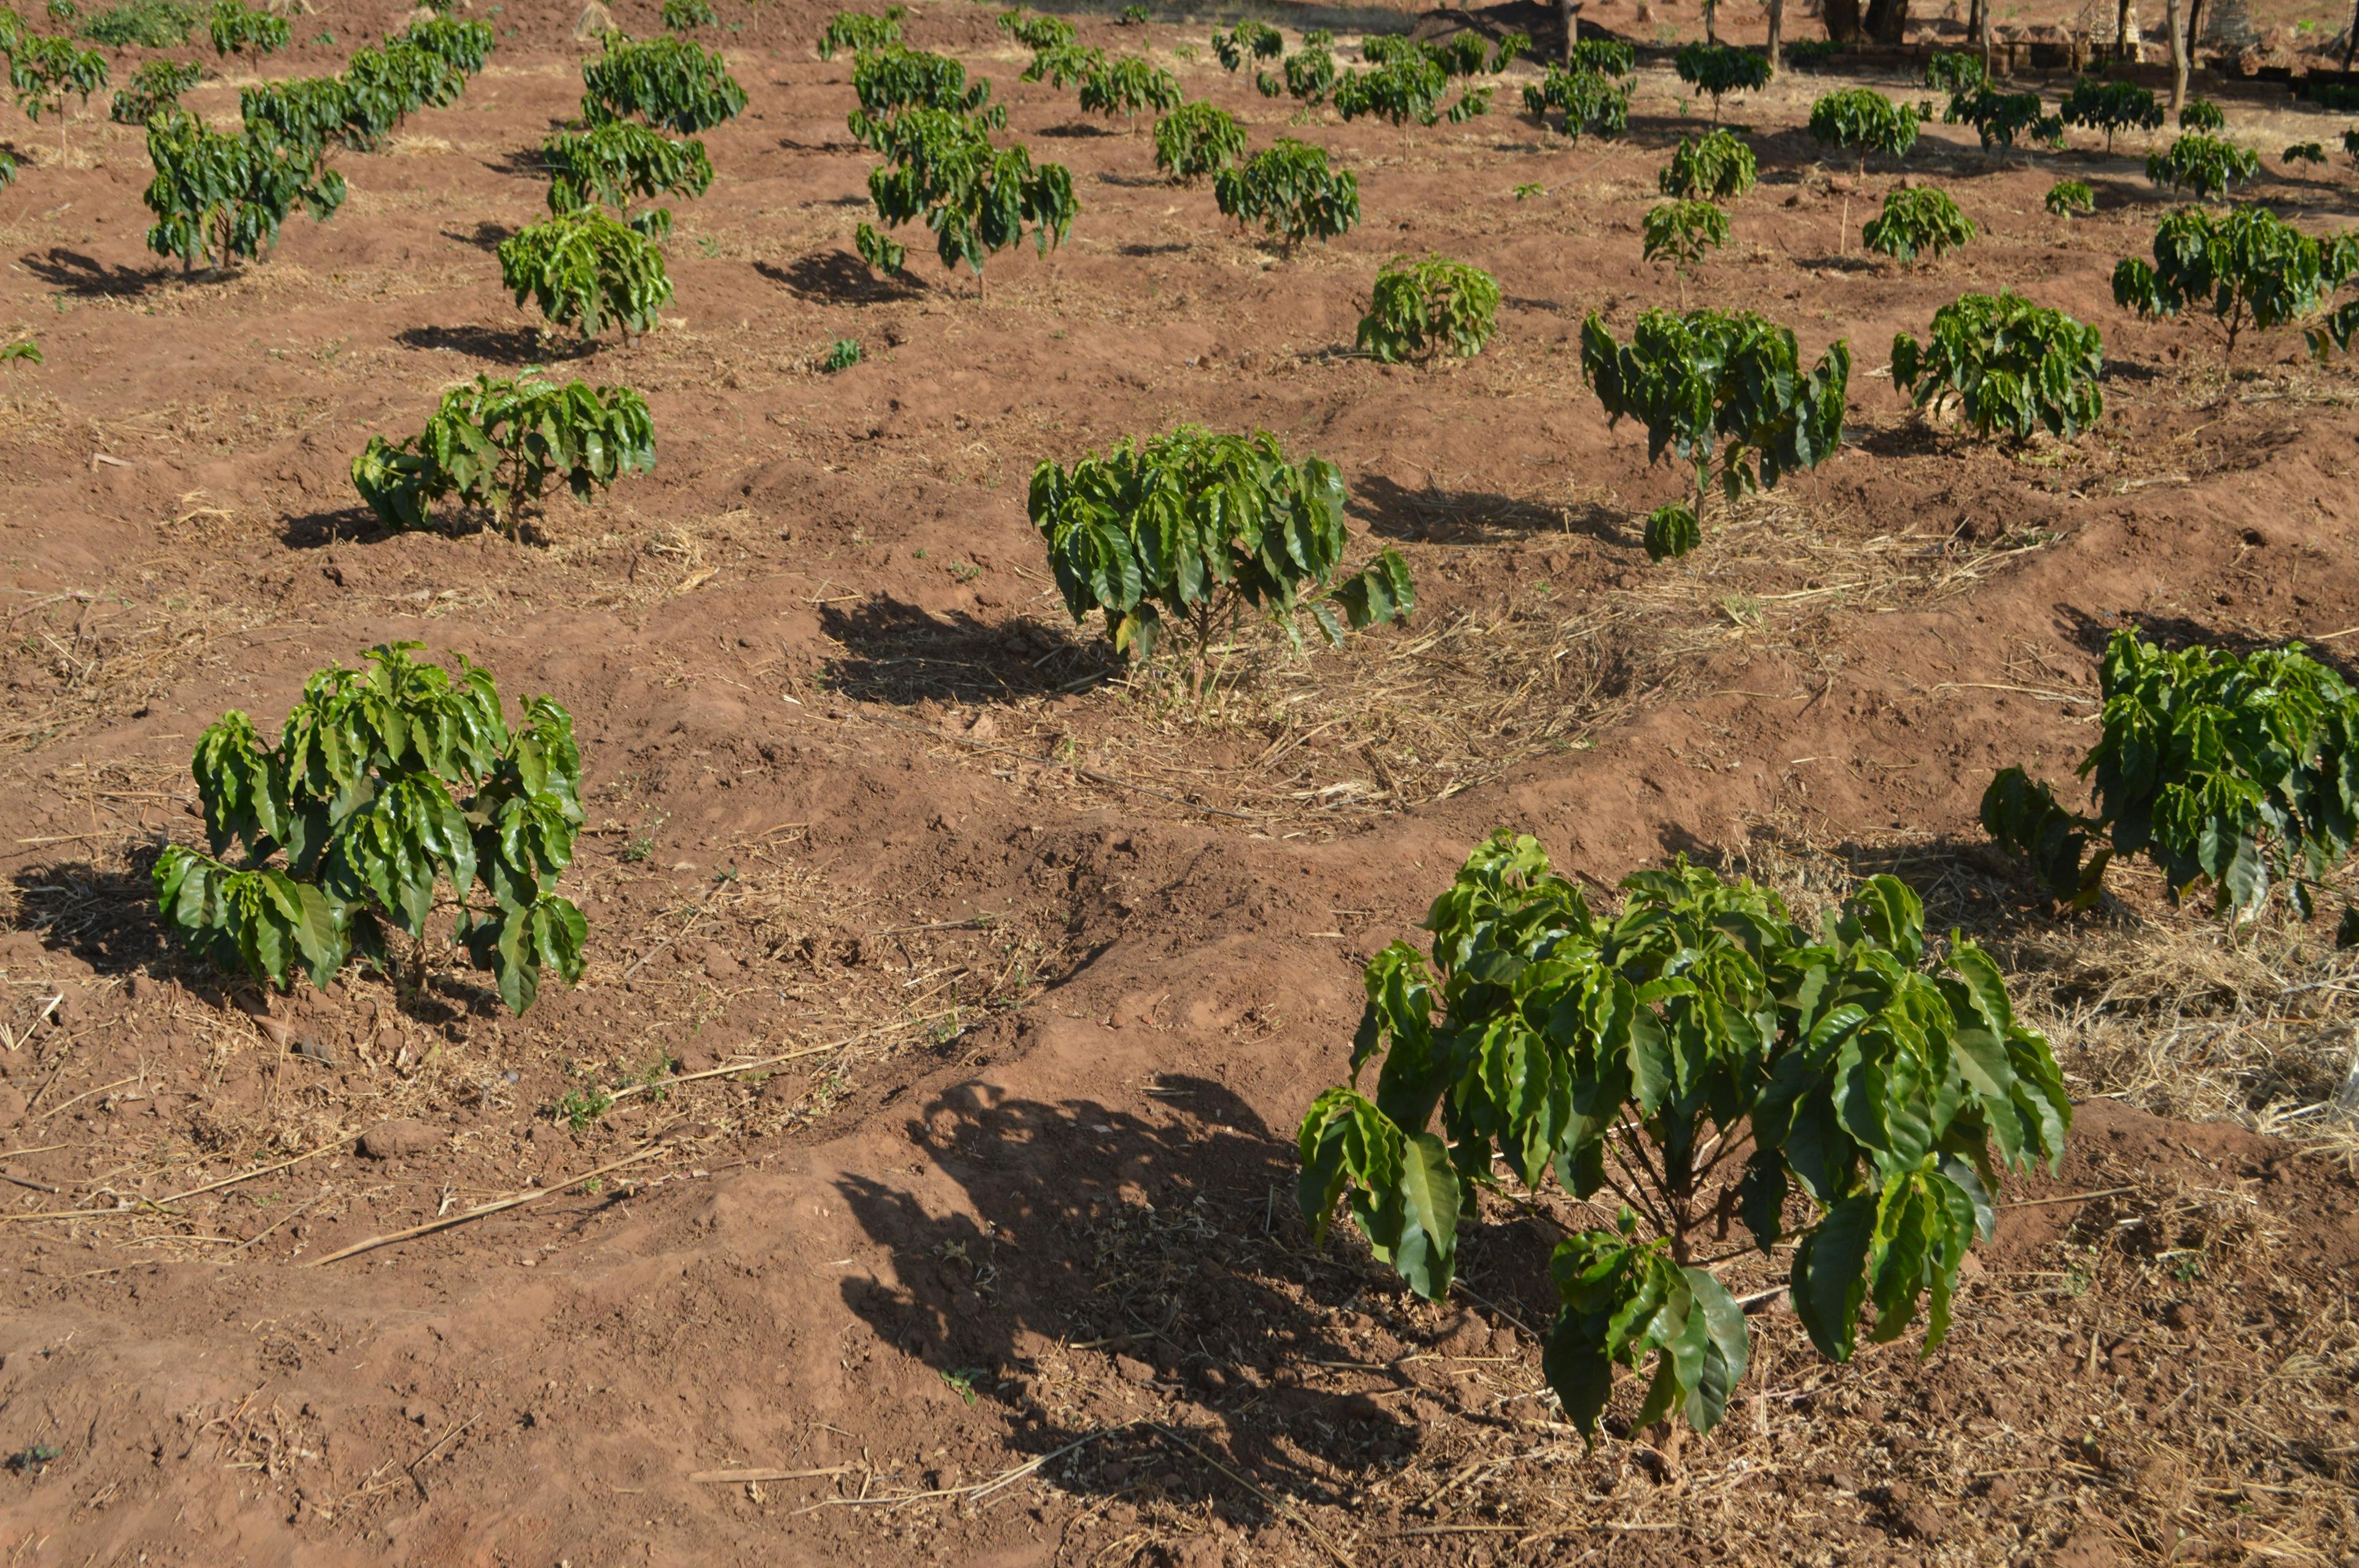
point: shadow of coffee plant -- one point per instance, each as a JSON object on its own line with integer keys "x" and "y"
{"x": 104, "y": 916}
{"x": 2090, "y": 632}
{"x": 499, "y": 345}
{"x": 1467, "y": 517}
{"x": 836, "y": 275}
{"x": 484, "y": 236}
{"x": 897, "y": 652}
{"x": 1139, "y": 1279}
{"x": 86, "y": 277}
{"x": 329, "y": 526}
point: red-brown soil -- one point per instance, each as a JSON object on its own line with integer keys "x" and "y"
{"x": 1040, "y": 966}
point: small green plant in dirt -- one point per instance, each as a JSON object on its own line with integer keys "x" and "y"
{"x": 1405, "y": 89}
{"x": 495, "y": 445}
{"x": 1126, "y": 85}
{"x": 1132, "y": 17}
{"x": 383, "y": 87}
{"x": 7, "y": 171}
{"x": 393, "y": 792}
{"x": 466, "y": 47}
{"x": 1179, "y": 536}
{"x": 1289, "y": 190}
{"x": 1683, "y": 233}
{"x": 156, "y": 88}
{"x": 1308, "y": 77}
{"x": 221, "y": 199}
{"x": 2112, "y": 107}
{"x": 1859, "y": 121}
{"x": 1715, "y": 166}
{"x": 1715, "y": 385}
{"x": 586, "y": 270}
{"x": 2238, "y": 771}
{"x": 858, "y": 31}
{"x": 1429, "y": 307}
{"x": 2008, "y": 366}
{"x": 1197, "y": 139}
{"x": 1247, "y": 40}
{"x": 2205, "y": 166}
{"x": 888, "y": 80}
{"x": 1063, "y": 65}
{"x": 842, "y": 354}
{"x": 1530, "y": 190}
{"x": 1037, "y": 32}
{"x": 979, "y": 199}
{"x": 2201, "y": 116}
{"x": 687, "y": 16}
{"x": 143, "y": 24}
{"x": 2253, "y": 268}
{"x": 32, "y": 1458}
{"x": 2312, "y": 153}
{"x": 2069, "y": 198}
{"x": 1956, "y": 72}
{"x": 619, "y": 160}
{"x": 1719, "y": 70}
{"x": 240, "y": 29}
{"x": 24, "y": 350}
{"x": 1700, "y": 1057}
{"x": 1590, "y": 101}
{"x": 2001, "y": 119}
{"x": 1607, "y": 57}
{"x": 43, "y": 71}
{"x": 1921, "y": 223}
{"x": 671, "y": 83}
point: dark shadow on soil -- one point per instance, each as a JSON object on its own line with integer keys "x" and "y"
{"x": 2090, "y": 632}
{"x": 521, "y": 163}
{"x": 1075, "y": 128}
{"x": 86, "y": 277}
{"x": 484, "y": 236}
{"x": 329, "y": 526}
{"x": 837, "y": 277}
{"x": 108, "y": 919}
{"x": 1164, "y": 1248}
{"x": 899, "y": 654}
{"x": 1144, "y": 250}
{"x": 499, "y": 345}
{"x": 1463, "y": 517}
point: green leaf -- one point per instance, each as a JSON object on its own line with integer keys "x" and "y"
{"x": 1830, "y": 1277}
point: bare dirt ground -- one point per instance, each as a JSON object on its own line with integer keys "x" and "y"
{"x": 988, "y": 1254}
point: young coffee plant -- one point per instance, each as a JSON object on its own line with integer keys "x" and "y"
{"x": 135, "y": 24}
{"x": 890, "y": 80}
{"x": 1921, "y": 223}
{"x": 671, "y": 83}
{"x": 1035, "y": 31}
{"x": 1289, "y": 189}
{"x": 1308, "y": 77}
{"x": 859, "y": 31}
{"x": 24, "y": 350}
{"x": 392, "y": 792}
{"x": 1197, "y": 139}
{"x": 978, "y": 199}
{"x": 1714, "y": 385}
{"x": 1181, "y": 534}
{"x": 619, "y": 160}
{"x": 43, "y": 70}
{"x": 1132, "y": 17}
{"x": 1063, "y": 65}
{"x": 1956, "y": 73}
{"x": 221, "y": 199}
{"x": 1683, "y": 233}
{"x": 1861, "y": 120}
{"x": 1719, "y": 70}
{"x": 2312, "y": 153}
{"x": 2069, "y": 198}
{"x": 1127, "y": 85}
{"x": 587, "y": 270}
{"x": 1699, "y": 1058}
{"x": 1247, "y": 40}
{"x": 465, "y": 46}
{"x": 842, "y": 355}
{"x": 382, "y": 87}
{"x": 309, "y": 112}
{"x": 1590, "y": 101}
{"x": 2111, "y": 107}
{"x": 236, "y": 28}
{"x": 2204, "y": 165}
{"x": 156, "y": 88}
{"x": 1607, "y": 57}
{"x": 687, "y": 16}
{"x": 2201, "y": 116}
{"x": 2242, "y": 772}
{"x": 1715, "y": 166}
{"x": 2009, "y": 367}
{"x": 1429, "y": 307}
{"x": 493, "y": 445}
{"x": 1407, "y": 88}
{"x": 2001, "y": 118}
{"x": 2252, "y": 266}
{"x": 2351, "y": 145}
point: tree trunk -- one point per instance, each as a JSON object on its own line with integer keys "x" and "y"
{"x": 1843, "y": 20}
{"x": 2172, "y": 10}
{"x": 2122, "y": 50}
{"x": 2194, "y": 30}
{"x": 1569, "y": 24}
{"x": 2351, "y": 38}
{"x": 1982, "y": 25}
{"x": 1777, "y": 30}
{"x": 1711, "y": 21}
{"x": 1887, "y": 21}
